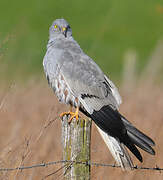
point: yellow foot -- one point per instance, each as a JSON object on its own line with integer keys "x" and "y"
{"x": 73, "y": 115}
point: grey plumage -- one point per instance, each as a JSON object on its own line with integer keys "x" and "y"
{"x": 77, "y": 80}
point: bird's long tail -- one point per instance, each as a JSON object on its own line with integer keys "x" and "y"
{"x": 118, "y": 132}
{"x": 117, "y": 150}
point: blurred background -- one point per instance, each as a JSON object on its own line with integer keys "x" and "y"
{"x": 126, "y": 41}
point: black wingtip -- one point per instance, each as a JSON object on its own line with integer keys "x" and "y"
{"x": 152, "y": 142}
{"x": 134, "y": 150}
{"x": 137, "y": 132}
{"x": 153, "y": 151}
{"x": 140, "y": 143}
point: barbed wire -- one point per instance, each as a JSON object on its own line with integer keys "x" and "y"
{"x": 156, "y": 168}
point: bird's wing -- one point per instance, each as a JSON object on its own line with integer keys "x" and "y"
{"x": 87, "y": 82}
{"x": 82, "y": 74}
{"x": 115, "y": 91}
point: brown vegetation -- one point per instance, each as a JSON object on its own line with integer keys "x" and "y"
{"x": 30, "y": 132}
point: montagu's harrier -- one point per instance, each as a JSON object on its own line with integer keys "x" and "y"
{"x": 78, "y": 81}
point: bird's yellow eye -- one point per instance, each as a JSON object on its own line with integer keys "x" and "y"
{"x": 55, "y": 26}
{"x": 63, "y": 29}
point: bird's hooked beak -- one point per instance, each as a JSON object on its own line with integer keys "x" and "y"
{"x": 64, "y": 31}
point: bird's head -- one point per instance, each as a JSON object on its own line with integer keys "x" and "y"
{"x": 60, "y": 28}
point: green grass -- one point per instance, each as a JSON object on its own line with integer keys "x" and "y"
{"x": 104, "y": 29}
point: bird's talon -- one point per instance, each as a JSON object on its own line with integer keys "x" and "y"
{"x": 75, "y": 115}
{"x": 65, "y": 113}
{"x": 72, "y": 115}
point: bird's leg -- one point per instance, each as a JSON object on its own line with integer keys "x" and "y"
{"x": 72, "y": 114}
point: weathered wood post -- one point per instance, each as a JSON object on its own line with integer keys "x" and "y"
{"x": 76, "y": 141}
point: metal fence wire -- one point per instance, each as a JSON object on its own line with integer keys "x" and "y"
{"x": 156, "y": 168}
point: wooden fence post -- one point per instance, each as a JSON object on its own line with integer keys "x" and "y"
{"x": 76, "y": 142}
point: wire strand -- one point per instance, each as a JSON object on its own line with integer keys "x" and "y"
{"x": 156, "y": 168}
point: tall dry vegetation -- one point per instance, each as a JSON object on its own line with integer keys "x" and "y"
{"x": 30, "y": 132}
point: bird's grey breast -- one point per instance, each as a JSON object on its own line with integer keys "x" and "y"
{"x": 60, "y": 54}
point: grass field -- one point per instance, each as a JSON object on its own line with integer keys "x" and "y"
{"x": 105, "y": 30}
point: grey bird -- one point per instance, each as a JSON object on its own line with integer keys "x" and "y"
{"x": 79, "y": 82}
